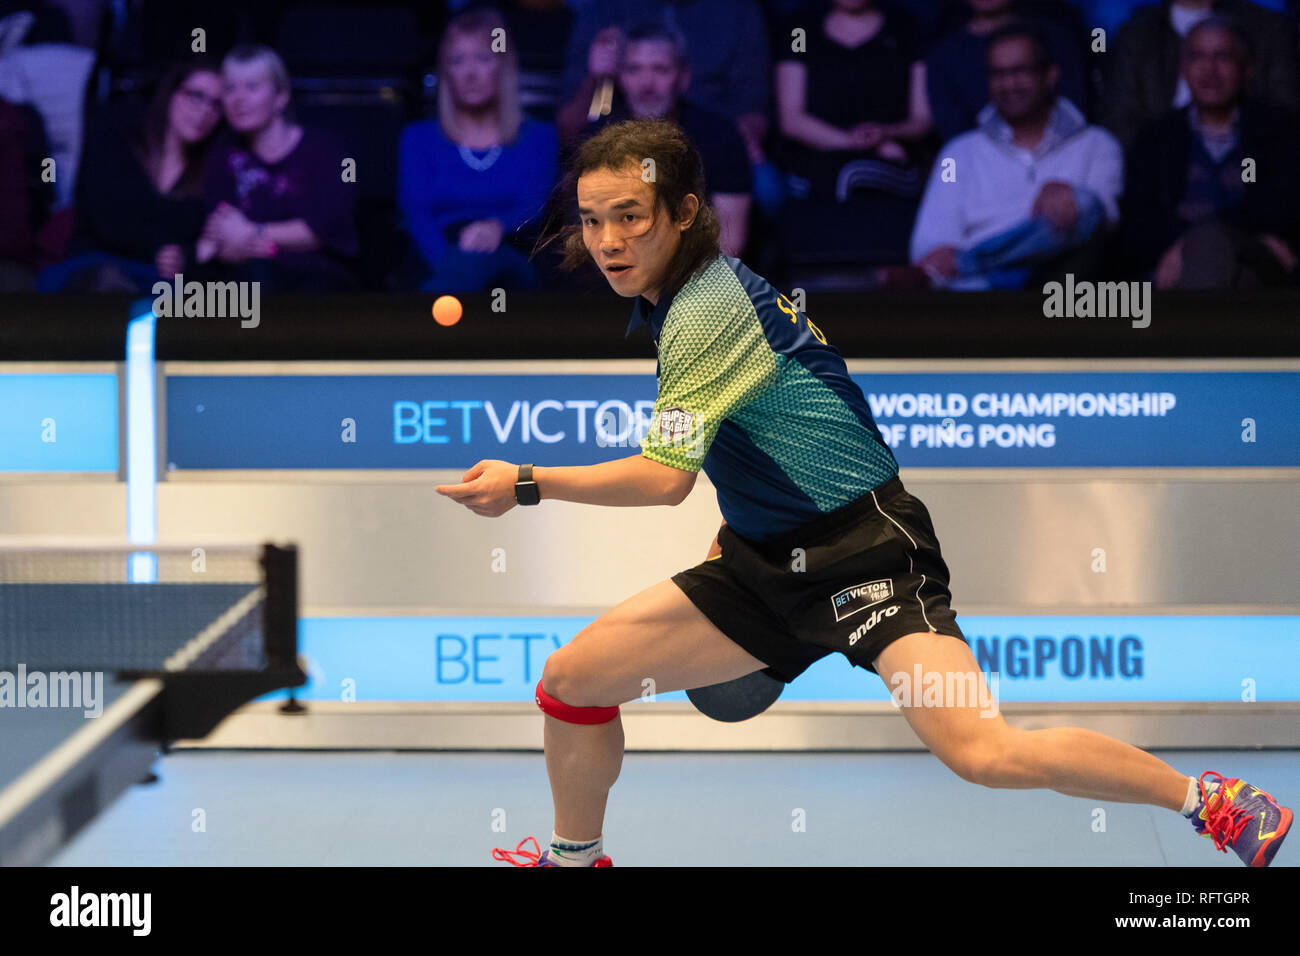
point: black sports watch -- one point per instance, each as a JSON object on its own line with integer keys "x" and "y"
{"x": 526, "y": 490}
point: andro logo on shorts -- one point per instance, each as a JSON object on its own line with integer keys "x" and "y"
{"x": 861, "y": 596}
{"x": 674, "y": 424}
{"x": 869, "y": 623}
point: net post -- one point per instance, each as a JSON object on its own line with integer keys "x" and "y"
{"x": 280, "y": 613}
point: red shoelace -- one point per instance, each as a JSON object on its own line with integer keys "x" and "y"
{"x": 508, "y": 856}
{"x": 1226, "y": 820}
{"x": 532, "y": 857}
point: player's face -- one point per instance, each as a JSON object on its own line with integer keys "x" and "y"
{"x": 630, "y": 241}
{"x": 650, "y": 78}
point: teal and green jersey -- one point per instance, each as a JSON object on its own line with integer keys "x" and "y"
{"x": 751, "y": 392}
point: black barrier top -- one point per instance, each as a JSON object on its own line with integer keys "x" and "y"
{"x": 546, "y": 325}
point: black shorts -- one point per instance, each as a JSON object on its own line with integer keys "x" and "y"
{"x": 853, "y": 581}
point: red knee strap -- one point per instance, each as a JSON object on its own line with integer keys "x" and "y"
{"x": 570, "y": 714}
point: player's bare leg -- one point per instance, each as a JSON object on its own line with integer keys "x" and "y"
{"x": 987, "y": 750}
{"x": 658, "y": 635}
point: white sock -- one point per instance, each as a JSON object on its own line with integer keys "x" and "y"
{"x": 574, "y": 852}
{"x": 1194, "y": 795}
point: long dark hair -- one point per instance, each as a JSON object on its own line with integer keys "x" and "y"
{"x": 678, "y": 172}
{"x": 149, "y": 135}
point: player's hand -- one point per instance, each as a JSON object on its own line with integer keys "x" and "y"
{"x": 487, "y": 489}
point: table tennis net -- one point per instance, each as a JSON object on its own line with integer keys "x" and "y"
{"x": 118, "y": 609}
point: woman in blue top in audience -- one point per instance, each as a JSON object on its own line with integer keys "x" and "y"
{"x": 479, "y": 172}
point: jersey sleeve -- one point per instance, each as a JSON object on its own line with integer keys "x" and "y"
{"x": 713, "y": 361}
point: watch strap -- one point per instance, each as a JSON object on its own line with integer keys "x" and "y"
{"x": 526, "y": 490}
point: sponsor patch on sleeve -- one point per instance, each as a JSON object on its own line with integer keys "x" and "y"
{"x": 674, "y": 424}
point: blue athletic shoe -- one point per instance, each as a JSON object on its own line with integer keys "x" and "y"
{"x": 1243, "y": 817}
{"x": 536, "y": 856}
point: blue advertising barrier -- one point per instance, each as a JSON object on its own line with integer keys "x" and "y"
{"x": 58, "y": 422}
{"x": 1025, "y": 658}
{"x": 957, "y": 419}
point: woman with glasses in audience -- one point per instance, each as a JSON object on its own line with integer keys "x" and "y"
{"x": 469, "y": 180}
{"x": 139, "y": 202}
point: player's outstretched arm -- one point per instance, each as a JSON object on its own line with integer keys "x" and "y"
{"x": 625, "y": 482}
{"x": 488, "y": 488}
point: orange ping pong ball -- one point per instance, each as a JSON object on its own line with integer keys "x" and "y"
{"x": 447, "y": 310}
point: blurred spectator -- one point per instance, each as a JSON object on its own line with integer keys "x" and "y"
{"x": 139, "y": 207}
{"x": 41, "y": 67}
{"x": 727, "y": 50}
{"x": 854, "y": 118}
{"x": 17, "y": 235}
{"x": 955, "y": 79}
{"x": 1145, "y": 80}
{"x": 1032, "y": 183}
{"x": 1107, "y": 15}
{"x": 84, "y": 20}
{"x": 540, "y": 31}
{"x": 857, "y": 93}
{"x": 41, "y": 21}
{"x": 653, "y": 79}
{"x": 279, "y": 210}
{"x": 470, "y": 180}
{"x": 1191, "y": 210}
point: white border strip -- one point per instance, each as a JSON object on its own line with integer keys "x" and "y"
{"x": 116, "y": 544}
{"x": 56, "y": 368}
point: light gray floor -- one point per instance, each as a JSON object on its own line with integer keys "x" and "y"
{"x": 339, "y": 809}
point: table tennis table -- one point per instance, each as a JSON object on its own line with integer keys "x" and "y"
{"x": 103, "y": 674}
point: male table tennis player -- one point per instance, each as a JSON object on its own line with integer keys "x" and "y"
{"x": 751, "y": 392}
